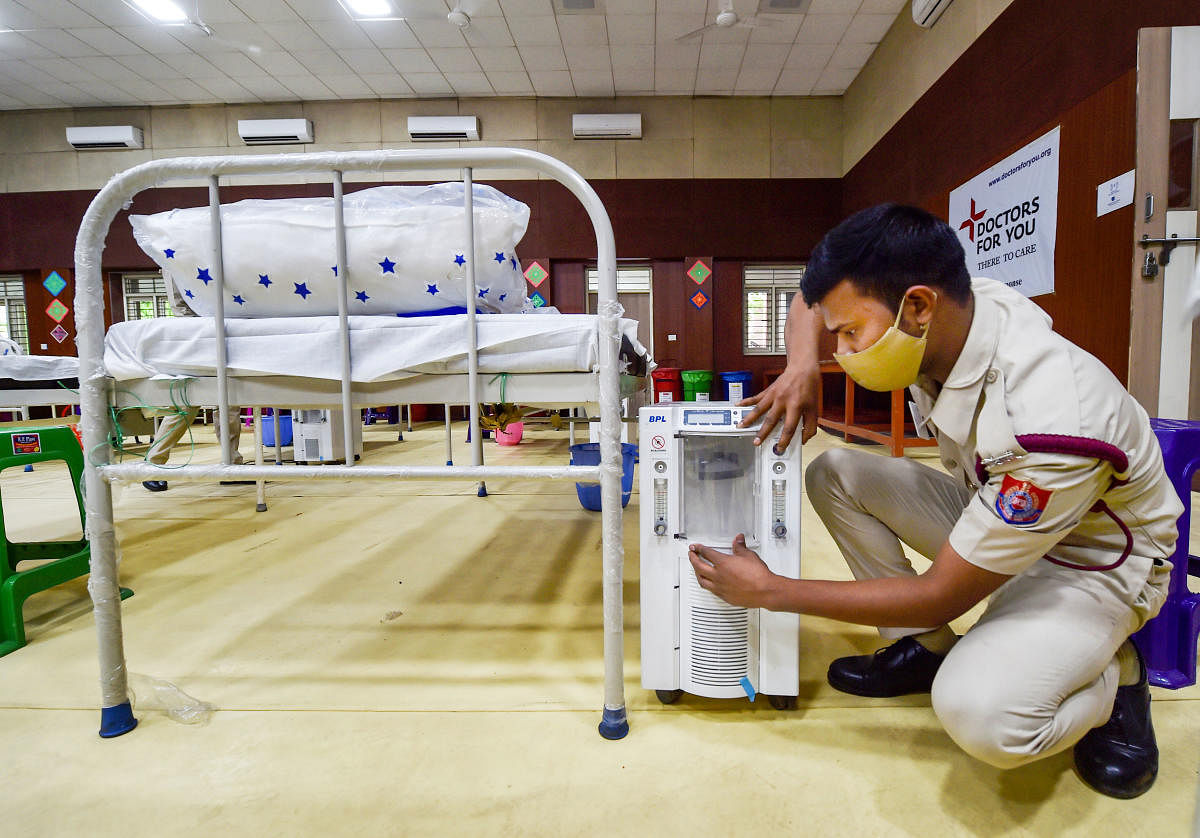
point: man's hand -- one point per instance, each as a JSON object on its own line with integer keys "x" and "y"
{"x": 792, "y": 400}
{"x": 740, "y": 578}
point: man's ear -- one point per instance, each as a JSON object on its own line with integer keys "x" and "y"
{"x": 920, "y": 302}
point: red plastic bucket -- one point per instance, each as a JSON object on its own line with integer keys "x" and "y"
{"x": 668, "y": 385}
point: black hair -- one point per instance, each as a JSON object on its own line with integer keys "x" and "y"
{"x": 885, "y": 250}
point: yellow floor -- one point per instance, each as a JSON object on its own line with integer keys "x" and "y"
{"x": 410, "y": 659}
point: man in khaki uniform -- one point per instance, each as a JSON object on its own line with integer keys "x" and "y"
{"x": 175, "y": 424}
{"x": 1056, "y": 506}
{"x": 178, "y": 421}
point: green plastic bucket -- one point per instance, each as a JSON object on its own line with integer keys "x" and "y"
{"x": 697, "y": 385}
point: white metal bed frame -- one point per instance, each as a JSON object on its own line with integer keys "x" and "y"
{"x": 13, "y": 401}
{"x": 39, "y": 392}
{"x": 543, "y": 389}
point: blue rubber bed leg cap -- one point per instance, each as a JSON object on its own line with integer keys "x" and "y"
{"x": 614, "y": 725}
{"x": 482, "y": 493}
{"x": 117, "y": 720}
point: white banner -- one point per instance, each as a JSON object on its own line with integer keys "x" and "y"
{"x": 1007, "y": 218}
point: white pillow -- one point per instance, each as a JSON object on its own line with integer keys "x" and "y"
{"x": 405, "y": 249}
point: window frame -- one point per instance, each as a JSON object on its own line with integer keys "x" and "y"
{"x": 159, "y": 299}
{"x": 16, "y": 331}
{"x": 781, "y": 283}
{"x": 591, "y": 291}
{"x": 591, "y": 276}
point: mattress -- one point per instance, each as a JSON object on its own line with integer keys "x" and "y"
{"x": 381, "y": 348}
{"x": 32, "y": 371}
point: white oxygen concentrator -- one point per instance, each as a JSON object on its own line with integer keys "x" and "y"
{"x": 317, "y": 436}
{"x": 703, "y": 481}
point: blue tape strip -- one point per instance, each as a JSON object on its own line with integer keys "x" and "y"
{"x": 749, "y": 688}
{"x": 436, "y": 312}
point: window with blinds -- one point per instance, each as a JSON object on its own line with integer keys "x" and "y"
{"x": 13, "y": 322}
{"x": 146, "y": 296}
{"x": 631, "y": 280}
{"x": 767, "y": 293}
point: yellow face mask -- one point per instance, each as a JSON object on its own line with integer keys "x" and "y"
{"x": 890, "y": 363}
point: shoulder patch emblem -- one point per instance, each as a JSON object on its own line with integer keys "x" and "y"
{"x": 1021, "y": 502}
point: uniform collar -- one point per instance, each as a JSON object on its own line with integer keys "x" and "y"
{"x": 954, "y": 411}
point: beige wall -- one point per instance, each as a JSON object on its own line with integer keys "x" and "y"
{"x": 682, "y": 137}
{"x": 905, "y": 65}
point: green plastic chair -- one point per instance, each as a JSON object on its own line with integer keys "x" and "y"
{"x": 67, "y": 559}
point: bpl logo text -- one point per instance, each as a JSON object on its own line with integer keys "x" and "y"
{"x": 659, "y": 418}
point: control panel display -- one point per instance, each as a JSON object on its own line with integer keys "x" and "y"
{"x": 707, "y": 418}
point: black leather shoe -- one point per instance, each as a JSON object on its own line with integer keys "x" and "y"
{"x": 1120, "y": 758}
{"x": 902, "y": 668}
{"x": 155, "y": 485}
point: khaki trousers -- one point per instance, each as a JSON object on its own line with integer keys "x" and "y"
{"x": 175, "y": 425}
{"x": 1037, "y": 671}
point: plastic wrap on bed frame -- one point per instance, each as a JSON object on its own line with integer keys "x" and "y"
{"x": 100, "y": 472}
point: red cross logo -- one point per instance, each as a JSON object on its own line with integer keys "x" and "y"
{"x": 969, "y": 224}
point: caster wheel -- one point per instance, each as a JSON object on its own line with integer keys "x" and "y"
{"x": 782, "y": 702}
{"x": 668, "y": 696}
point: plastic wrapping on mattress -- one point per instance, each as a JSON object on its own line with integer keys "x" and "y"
{"x": 382, "y": 348}
{"x": 404, "y": 248}
{"x": 39, "y": 367}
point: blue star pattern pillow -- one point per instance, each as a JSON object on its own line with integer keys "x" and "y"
{"x": 405, "y": 248}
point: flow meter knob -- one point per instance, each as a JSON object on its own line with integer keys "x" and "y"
{"x": 778, "y": 529}
{"x": 660, "y": 528}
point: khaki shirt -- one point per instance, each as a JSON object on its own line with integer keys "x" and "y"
{"x": 1016, "y": 376}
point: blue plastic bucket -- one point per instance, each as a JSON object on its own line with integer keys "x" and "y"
{"x": 588, "y": 454}
{"x": 285, "y": 430}
{"x": 735, "y": 386}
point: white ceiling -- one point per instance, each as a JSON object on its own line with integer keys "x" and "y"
{"x": 85, "y": 53}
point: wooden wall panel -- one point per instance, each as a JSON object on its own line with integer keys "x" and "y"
{"x": 40, "y": 324}
{"x": 1070, "y": 63}
{"x": 668, "y": 314}
{"x": 759, "y": 219}
{"x": 568, "y": 286}
{"x": 659, "y": 221}
{"x": 1034, "y": 62}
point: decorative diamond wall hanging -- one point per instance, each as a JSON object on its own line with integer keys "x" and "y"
{"x": 54, "y": 284}
{"x": 59, "y": 333}
{"x": 699, "y": 299}
{"x": 57, "y": 310}
{"x": 536, "y": 274}
{"x": 537, "y": 299}
{"x": 699, "y": 270}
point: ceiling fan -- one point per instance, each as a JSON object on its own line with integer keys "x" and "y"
{"x": 189, "y": 23}
{"x": 460, "y": 13}
{"x": 727, "y": 18}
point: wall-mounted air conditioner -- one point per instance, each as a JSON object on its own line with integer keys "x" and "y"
{"x": 606, "y": 126}
{"x": 275, "y": 131}
{"x": 926, "y": 12}
{"x": 105, "y": 136}
{"x": 443, "y": 128}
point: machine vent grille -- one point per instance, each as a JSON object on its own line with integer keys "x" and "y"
{"x": 718, "y": 634}
{"x": 312, "y": 449}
